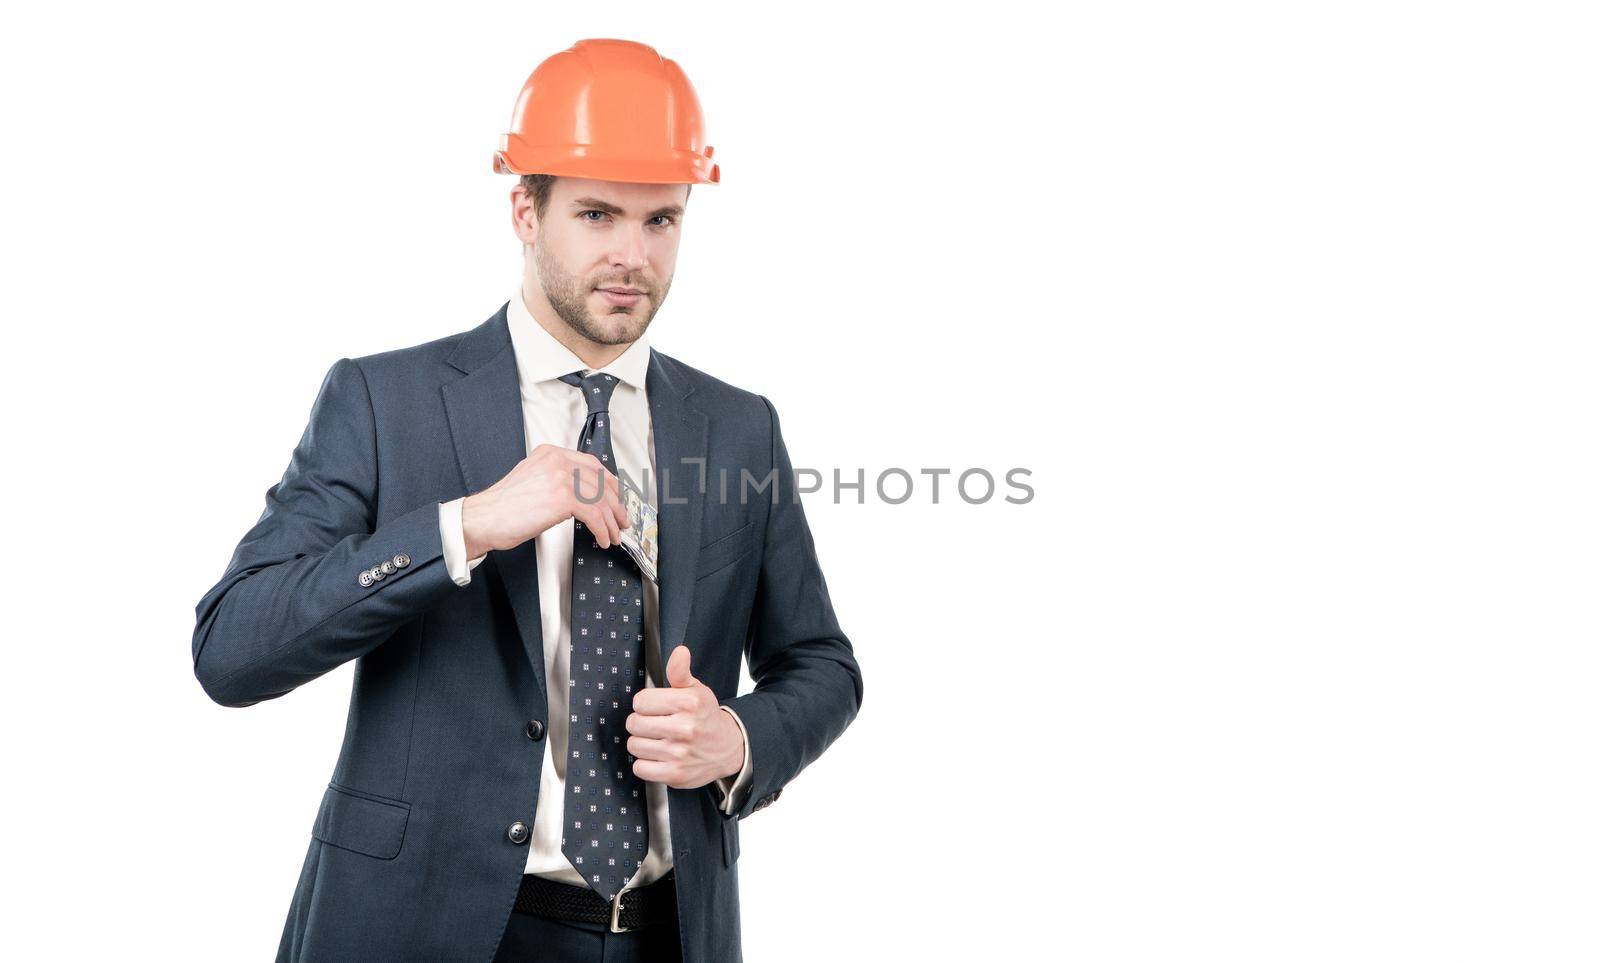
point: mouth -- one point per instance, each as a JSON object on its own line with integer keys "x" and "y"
{"x": 621, "y": 296}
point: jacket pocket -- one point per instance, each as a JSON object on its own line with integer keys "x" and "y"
{"x": 361, "y": 822}
{"x": 726, "y": 550}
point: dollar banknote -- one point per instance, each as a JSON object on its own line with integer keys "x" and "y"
{"x": 639, "y": 539}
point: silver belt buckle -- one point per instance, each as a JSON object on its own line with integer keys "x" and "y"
{"x": 616, "y": 915}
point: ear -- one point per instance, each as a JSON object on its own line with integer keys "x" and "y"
{"x": 524, "y": 220}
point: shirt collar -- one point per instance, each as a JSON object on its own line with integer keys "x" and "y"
{"x": 540, "y": 357}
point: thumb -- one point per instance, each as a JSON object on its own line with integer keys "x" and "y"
{"x": 678, "y": 675}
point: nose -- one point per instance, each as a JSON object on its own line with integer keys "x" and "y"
{"x": 630, "y": 251}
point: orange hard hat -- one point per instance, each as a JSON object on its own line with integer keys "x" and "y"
{"x": 611, "y": 110}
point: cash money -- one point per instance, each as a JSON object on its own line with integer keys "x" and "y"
{"x": 639, "y": 539}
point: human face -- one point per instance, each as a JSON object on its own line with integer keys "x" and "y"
{"x": 604, "y": 253}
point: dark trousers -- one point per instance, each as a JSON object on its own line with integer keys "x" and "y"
{"x": 537, "y": 939}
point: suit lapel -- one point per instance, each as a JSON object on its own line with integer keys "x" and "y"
{"x": 680, "y": 456}
{"x": 680, "y": 451}
{"x": 485, "y": 412}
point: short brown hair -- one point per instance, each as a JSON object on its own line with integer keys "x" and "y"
{"x": 538, "y": 187}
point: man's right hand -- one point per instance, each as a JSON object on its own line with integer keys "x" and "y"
{"x": 538, "y": 494}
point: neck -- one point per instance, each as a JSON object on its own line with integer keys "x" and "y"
{"x": 591, "y": 354}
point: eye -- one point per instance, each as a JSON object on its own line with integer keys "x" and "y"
{"x": 665, "y": 217}
{"x": 584, "y": 215}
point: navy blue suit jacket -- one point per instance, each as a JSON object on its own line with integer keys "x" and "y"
{"x": 409, "y": 856}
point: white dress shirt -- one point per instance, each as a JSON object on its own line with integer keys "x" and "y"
{"x": 553, "y": 412}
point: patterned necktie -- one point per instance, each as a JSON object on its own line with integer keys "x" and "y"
{"x": 605, "y": 834}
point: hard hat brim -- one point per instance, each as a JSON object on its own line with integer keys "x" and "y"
{"x": 682, "y": 167}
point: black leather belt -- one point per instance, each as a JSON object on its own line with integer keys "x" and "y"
{"x": 647, "y": 905}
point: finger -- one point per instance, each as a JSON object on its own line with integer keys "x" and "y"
{"x": 602, "y": 479}
{"x": 599, "y": 474}
{"x": 659, "y": 750}
{"x": 610, "y": 520}
{"x": 603, "y": 522}
{"x": 587, "y": 491}
{"x": 614, "y": 502}
{"x": 607, "y": 487}
{"x": 651, "y": 770}
{"x": 678, "y": 674}
{"x": 656, "y": 701}
{"x": 594, "y": 521}
{"x": 670, "y": 728}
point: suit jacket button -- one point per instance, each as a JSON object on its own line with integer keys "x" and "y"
{"x": 401, "y": 560}
{"x": 518, "y": 833}
{"x": 387, "y": 567}
{"x": 378, "y": 574}
{"x": 535, "y": 730}
{"x": 365, "y": 578}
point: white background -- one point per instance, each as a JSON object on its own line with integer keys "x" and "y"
{"x": 1289, "y": 308}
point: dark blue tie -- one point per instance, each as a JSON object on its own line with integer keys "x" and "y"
{"x": 605, "y": 833}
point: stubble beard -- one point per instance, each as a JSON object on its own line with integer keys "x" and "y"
{"x": 569, "y": 296}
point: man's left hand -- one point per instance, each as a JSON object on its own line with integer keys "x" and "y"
{"x": 680, "y": 735}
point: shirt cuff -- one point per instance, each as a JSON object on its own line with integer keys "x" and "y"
{"x": 733, "y": 788}
{"x": 454, "y": 539}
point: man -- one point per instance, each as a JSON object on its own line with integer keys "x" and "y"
{"x": 545, "y": 757}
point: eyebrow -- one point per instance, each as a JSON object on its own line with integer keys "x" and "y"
{"x": 596, "y": 203}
